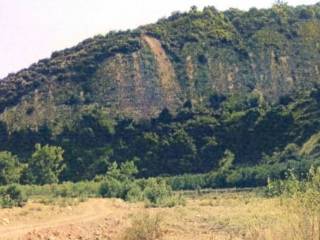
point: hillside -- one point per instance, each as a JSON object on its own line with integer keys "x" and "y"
{"x": 235, "y": 93}
{"x": 188, "y": 56}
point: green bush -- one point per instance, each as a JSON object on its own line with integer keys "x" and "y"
{"x": 156, "y": 192}
{"x": 293, "y": 186}
{"x": 187, "y": 182}
{"x": 10, "y": 168}
{"x": 12, "y": 196}
{"x": 119, "y": 181}
{"x": 135, "y": 193}
{"x": 45, "y": 165}
{"x": 172, "y": 200}
{"x": 112, "y": 188}
{"x": 144, "y": 227}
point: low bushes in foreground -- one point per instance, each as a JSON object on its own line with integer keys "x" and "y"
{"x": 120, "y": 183}
{"x": 144, "y": 227}
{"x": 301, "y": 200}
{"x": 294, "y": 186}
{"x": 12, "y": 196}
{"x": 60, "y": 194}
{"x": 82, "y": 189}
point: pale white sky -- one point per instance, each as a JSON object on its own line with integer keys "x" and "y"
{"x": 33, "y": 29}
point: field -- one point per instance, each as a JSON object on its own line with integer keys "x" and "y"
{"x": 213, "y": 216}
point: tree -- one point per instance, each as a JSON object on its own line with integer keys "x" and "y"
{"x": 149, "y": 148}
{"x": 119, "y": 180}
{"x": 280, "y": 2}
{"x": 126, "y": 171}
{"x": 3, "y": 134}
{"x": 165, "y": 116}
{"x": 12, "y": 196}
{"x": 306, "y": 13}
{"x": 45, "y": 165}
{"x": 10, "y": 169}
{"x": 216, "y": 99}
{"x": 179, "y": 152}
{"x": 209, "y": 154}
{"x": 188, "y": 104}
{"x": 227, "y": 161}
{"x": 194, "y": 9}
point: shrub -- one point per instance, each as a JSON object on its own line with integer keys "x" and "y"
{"x": 12, "y": 196}
{"x": 135, "y": 193}
{"x": 45, "y": 165}
{"x": 289, "y": 187}
{"x": 301, "y": 198}
{"x": 156, "y": 192}
{"x": 10, "y": 168}
{"x": 119, "y": 182}
{"x": 173, "y": 200}
{"x": 112, "y": 188}
{"x": 187, "y": 182}
{"x": 144, "y": 227}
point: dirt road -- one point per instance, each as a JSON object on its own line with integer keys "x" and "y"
{"x": 215, "y": 216}
{"x": 37, "y": 221}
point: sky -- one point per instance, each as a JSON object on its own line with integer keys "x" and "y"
{"x": 32, "y": 29}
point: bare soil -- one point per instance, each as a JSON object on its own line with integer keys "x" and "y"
{"x": 210, "y": 217}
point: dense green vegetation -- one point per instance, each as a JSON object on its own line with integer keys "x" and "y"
{"x": 293, "y": 185}
{"x": 119, "y": 182}
{"x": 239, "y": 140}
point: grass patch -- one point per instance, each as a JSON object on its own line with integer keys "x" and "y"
{"x": 144, "y": 227}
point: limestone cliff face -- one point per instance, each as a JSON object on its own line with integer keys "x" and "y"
{"x": 188, "y": 56}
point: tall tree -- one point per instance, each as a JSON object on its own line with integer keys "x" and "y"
{"x": 45, "y": 165}
{"x": 10, "y": 169}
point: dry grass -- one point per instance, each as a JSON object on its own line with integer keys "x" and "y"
{"x": 301, "y": 223}
{"x": 144, "y": 227}
{"x": 216, "y": 216}
{"x": 243, "y": 216}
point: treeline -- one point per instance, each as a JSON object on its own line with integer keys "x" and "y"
{"x": 43, "y": 167}
{"x": 195, "y": 139}
{"x": 118, "y": 182}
